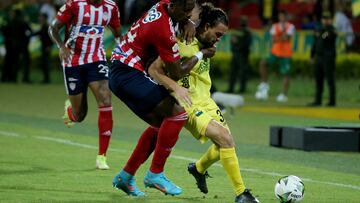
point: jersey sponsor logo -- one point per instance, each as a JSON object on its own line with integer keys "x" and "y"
{"x": 91, "y": 31}
{"x": 152, "y": 15}
{"x": 119, "y": 51}
{"x": 72, "y": 79}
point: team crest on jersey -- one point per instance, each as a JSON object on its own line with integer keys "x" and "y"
{"x": 152, "y": 15}
{"x": 72, "y": 86}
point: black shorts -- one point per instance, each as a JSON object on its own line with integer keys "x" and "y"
{"x": 77, "y": 78}
{"x": 135, "y": 88}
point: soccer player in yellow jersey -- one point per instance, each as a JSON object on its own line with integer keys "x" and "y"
{"x": 205, "y": 119}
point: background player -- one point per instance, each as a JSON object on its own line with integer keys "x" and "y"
{"x": 84, "y": 62}
{"x": 281, "y": 53}
{"x": 151, "y": 36}
{"x": 205, "y": 118}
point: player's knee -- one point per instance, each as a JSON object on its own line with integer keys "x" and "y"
{"x": 226, "y": 140}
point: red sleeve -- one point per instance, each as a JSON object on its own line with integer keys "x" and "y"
{"x": 167, "y": 46}
{"x": 115, "y": 18}
{"x": 65, "y": 13}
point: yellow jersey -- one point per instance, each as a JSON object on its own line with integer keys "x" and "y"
{"x": 198, "y": 81}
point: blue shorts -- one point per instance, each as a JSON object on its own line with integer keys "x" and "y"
{"x": 77, "y": 78}
{"x": 135, "y": 88}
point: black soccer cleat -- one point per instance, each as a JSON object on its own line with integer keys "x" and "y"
{"x": 200, "y": 178}
{"x": 246, "y": 197}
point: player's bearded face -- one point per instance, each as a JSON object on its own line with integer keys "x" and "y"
{"x": 212, "y": 35}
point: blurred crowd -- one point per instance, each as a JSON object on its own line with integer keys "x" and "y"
{"x": 18, "y": 17}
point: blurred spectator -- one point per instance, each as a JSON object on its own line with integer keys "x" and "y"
{"x": 268, "y": 10}
{"x": 343, "y": 24}
{"x": 136, "y": 8}
{"x": 322, "y": 6}
{"x": 281, "y": 53}
{"x": 308, "y": 23}
{"x": 240, "y": 48}
{"x": 46, "y": 45}
{"x": 49, "y": 9}
{"x": 17, "y": 34}
{"x": 323, "y": 55}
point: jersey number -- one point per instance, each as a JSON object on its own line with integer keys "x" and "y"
{"x": 218, "y": 112}
{"x": 104, "y": 69}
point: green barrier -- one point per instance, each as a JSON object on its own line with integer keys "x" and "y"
{"x": 261, "y": 43}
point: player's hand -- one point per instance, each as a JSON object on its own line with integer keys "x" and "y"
{"x": 189, "y": 32}
{"x": 64, "y": 54}
{"x": 209, "y": 52}
{"x": 182, "y": 96}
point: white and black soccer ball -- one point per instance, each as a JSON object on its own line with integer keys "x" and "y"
{"x": 289, "y": 189}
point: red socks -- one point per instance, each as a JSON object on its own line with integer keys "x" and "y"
{"x": 167, "y": 137}
{"x": 142, "y": 151}
{"x": 105, "y": 125}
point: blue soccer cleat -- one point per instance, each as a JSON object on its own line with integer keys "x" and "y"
{"x": 126, "y": 182}
{"x": 160, "y": 182}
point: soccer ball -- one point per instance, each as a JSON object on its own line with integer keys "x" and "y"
{"x": 289, "y": 189}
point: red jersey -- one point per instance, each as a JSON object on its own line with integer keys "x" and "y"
{"x": 85, "y": 23}
{"x": 151, "y": 36}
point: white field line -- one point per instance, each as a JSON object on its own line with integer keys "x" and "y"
{"x": 69, "y": 142}
{"x": 9, "y": 134}
{"x": 276, "y": 174}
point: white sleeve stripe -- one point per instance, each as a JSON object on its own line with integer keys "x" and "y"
{"x": 81, "y": 13}
{"x": 134, "y": 60}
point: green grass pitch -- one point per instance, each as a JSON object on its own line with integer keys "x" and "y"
{"x": 43, "y": 161}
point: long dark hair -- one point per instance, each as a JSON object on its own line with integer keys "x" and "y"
{"x": 212, "y": 15}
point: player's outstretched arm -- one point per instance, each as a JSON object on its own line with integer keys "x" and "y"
{"x": 157, "y": 72}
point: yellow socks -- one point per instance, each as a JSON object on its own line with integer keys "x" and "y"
{"x": 211, "y": 156}
{"x": 230, "y": 163}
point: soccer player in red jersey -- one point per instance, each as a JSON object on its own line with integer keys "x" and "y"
{"x": 152, "y": 36}
{"x": 83, "y": 58}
